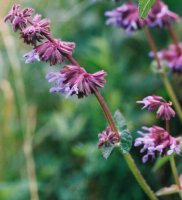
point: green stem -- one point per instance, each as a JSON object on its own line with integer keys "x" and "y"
{"x": 173, "y": 164}
{"x": 172, "y": 95}
{"x": 163, "y": 76}
{"x": 131, "y": 164}
{"x": 141, "y": 181}
{"x": 174, "y": 170}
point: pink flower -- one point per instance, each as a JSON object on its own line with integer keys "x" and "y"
{"x": 164, "y": 111}
{"x": 54, "y": 52}
{"x": 107, "y": 138}
{"x": 156, "y": 140}
{"x": 19, "y": 17}
{"x": 37, "y": 31}
{"x": 172, "y": 57}
{"x": 74, "y": 80}
{"x": 160, "y": 16}
{"x": 151, "y": 102}
{"x": 125, "y": 16}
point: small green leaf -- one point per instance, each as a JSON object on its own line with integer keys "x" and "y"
{"x": 168, "y": 190}
{"x": 126, "y": 142}
{"x": 106, "y": 150}
{"x": 144, "y": 7}
{"x": 126, "y": 138}
{"x": 120, "y": 121}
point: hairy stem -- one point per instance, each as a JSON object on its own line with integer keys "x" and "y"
{"x": 163, "y": 76}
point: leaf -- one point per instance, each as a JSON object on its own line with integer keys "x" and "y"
{"x": 120, "y": 121}
{"x": 168, "y": 190}
{"x": 126, "y": 142}
{"x": 106, "y": 150}
{"x": 126, "y": 138}
{"x": 144, "y": 7}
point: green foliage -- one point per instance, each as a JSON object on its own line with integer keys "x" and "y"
{"x": 106, "y": 150}
{"x": 126, "y": 138}
{"x": 144, "y": 7}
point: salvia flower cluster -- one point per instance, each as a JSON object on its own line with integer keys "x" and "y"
{"x": 127, "y": 17}
{"x": 34, "y": 30}
{"x": 72, "y": 80}
{"x": 156, "y": 140}
{"x": 164, "y": 110}
{"x": 108, "y": 138}
{"x": 172, "y": 57}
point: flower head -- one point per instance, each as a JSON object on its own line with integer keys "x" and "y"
{"x": 151, "y": 102}
{"x": 73, "y": 80}
{"x": 164, "y": 111}
{"x": 37, "y": 31}
{"x": 156, "y": 140}
{"x": 55, "y": 51}
{"x": 19, "y": 17}
{"x": 108, "y": 137}
{"x": 172, "y": 56}
{"x": 125, "y": 16}
{"x": 160, "y": 16}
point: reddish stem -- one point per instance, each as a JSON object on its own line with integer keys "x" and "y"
{"x": 152, "y": 46}
{"x": 174, "y": 38}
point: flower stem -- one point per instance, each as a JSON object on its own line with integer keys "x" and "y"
{"x": 152, "y": 46}
{"x": 131, "y": 164}
{"x": 106, "y": 111}
{"x": 174, "y": 38}
{"x": 172, "y": 161}
{"x": 163, "y": 76}
{"x": 172, "y": 95}
{"x": 141, "y": 181}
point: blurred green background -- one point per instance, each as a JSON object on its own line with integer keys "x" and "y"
{"x": 53, "y": 140}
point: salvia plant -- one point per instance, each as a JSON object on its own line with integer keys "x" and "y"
{"x": 73, "y": 80}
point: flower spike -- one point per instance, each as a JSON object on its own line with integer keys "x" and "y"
{"x": 74, "y": 80}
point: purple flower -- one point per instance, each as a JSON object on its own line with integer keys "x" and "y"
{"x": 31, "y": 56}
{"x": 160, "y": 16}
{"x": 172, "y": 57}
{"x": 164, "y": 111}
{"x": 73, "y": 80}
{"x": 125, "y": 16}
{"x": 19, "y": 17}
{"x": 37, "y": 31}
{"x": 151, "y": 102}
{"x": 156, "y": 140}
{"x": 55, "y": 51}
{"x": 108, "y": 138}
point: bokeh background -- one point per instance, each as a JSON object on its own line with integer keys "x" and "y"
{"x": 53, "y": 140}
